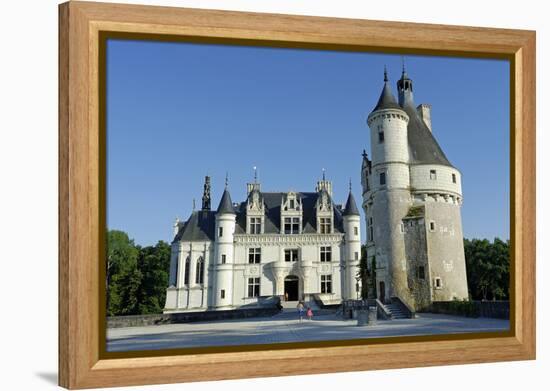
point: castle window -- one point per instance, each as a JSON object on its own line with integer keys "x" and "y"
{"x": 454, "y": 178}
{"x": 199, "y": 275}
{"x": 357, "y": 255}
{"x": 437, "y": 283}
{"x": 382, "y": 178}
{"x": 326, "y": 283}
{"x": 292, "y": 225}
{"x": 254, "y": 255}
{"x": 254, "y": 287}
{"x": 421, "y": 273}
{"x": 220, "y": 232}
{"x": 355, "y": 231}
{"x": 186, "y": 272}
{"x": 432, "y": 226}
{"x": 433, "y": 175}
{"x": 326, "y": 254}
{"x": 291, "y": 255}
{"x": 380, "y": 137}
{"x": 255, "y": 225}
{"x": 325, "y": 225}
{"x": 370, "y": 231}
{"x": 223, "y": 258}
{"x": 222, "y": 294}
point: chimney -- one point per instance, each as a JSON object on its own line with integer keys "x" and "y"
{"x": 424, "y": 110}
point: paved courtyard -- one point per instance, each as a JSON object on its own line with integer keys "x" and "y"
{"x": 285, "y": 327}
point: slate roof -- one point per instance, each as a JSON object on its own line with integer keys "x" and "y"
{"x": 351, "y": 206}
{"x": 423, "y": 147}
{"x": 386, "y": 100}
{"x": 226, "y": 205}
{"x": 201, "y": 224}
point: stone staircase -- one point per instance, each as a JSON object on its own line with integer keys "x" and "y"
{"x": 395, "y": 310}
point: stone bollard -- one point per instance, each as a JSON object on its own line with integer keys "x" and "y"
{"x": 362, "y": 317}
{"x": 373, "y": 314}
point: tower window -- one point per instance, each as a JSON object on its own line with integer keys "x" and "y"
{"x": 437, "y": 283}
{"x": 291, "y": 255}
{"x": 223, "y": 258}
{"x": 355, "y": 231}
{"x": 254, "y": 287}
{"x": 326, "y": 283}
{"x": 325, "y": 225}
{"x": 220, "y": 232}
{"x": 454, "y": 178}
{"x": 432, "y": 226}
{"x": 357, "y": 255}
{"x": 421, "y": 273}
{"x": 255, "y": 225}
{"x": 326, "y": 254}
{"x": 292, "y": 225}
{"x": 254, "y": 255}
{"x": 370, "y": 231}
{"x": 433, "y": 175}
{"x": 382, "y": 178}
{"x": 222, "y": 294}
{"x": 380, "y": 137}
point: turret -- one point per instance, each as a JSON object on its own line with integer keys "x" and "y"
{"x": 225, "y": 229}
{"x": 352, "y": 237}
{"x": 389, "y": 144}
{"x": 405, "y": 89}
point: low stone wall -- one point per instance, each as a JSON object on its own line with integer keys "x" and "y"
{"x": 473, "y": 309}
{"x": 187, "y": 317}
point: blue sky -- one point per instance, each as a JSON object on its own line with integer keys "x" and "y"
{"x": 177, "y": 112}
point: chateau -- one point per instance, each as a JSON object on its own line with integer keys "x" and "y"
{"x": 411, "y": 198}
{"x": 298, "y": 245}
{"x": 303, "y": 246}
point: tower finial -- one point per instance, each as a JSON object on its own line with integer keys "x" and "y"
{"x": 193, "y": 204}
{"x": 385, "y": 73}
{"x": 403, "y": 65}
{"x": 350, "y": 185}
{"x": 226, "y": 179}
{"x": 323, "y": 174}
{"x": 255, "y": 174}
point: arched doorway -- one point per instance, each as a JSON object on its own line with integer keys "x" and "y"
{"x": 382, "y": 292}
{"x": 292, "y": 284}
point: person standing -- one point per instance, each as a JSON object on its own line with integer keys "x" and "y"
{"x": 309, "y": 313}
{"x": 300, "y": 308}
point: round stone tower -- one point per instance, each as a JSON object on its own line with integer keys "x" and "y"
{"x": 225, "y": 229}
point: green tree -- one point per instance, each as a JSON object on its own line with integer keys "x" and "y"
{"x": 154, "y": 265}
{"x": 123, "y": 276}
{"x": 488, "y": 268}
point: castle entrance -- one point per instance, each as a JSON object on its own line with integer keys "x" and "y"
{"x": 291, "y": 288}
{"x": 382, "y": 292}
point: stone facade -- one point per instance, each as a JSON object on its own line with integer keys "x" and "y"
{"x": 273, "y": 245}
{"x": 412, "y": 197}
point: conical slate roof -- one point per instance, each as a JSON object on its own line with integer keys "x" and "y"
{"x": 351, "y": 206}
{"x": 386, "y": 100}
{"x": 226, "y": 206}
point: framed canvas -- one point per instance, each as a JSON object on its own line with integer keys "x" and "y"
{"x": 89, "y": 357}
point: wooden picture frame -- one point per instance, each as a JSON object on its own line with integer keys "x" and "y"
{"x": 82, "y": 363}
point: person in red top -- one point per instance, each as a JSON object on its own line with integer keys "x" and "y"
{"x": 309, "y": 313}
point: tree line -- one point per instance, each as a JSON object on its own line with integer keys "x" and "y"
{"x": 137, "y": 277}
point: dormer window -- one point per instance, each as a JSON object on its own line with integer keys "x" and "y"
{"x": 325, "y": 225}
{"x": 292, "y": 225}
{"x": 255, "y": 225}
{"x": 291, "y": 204}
